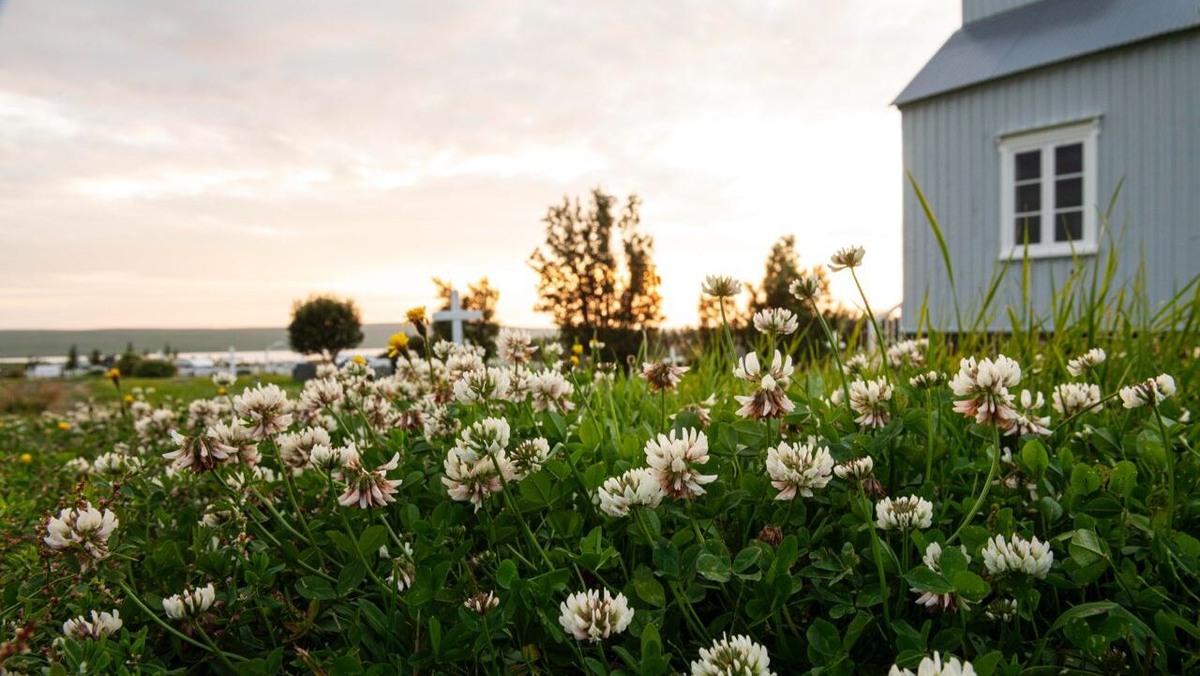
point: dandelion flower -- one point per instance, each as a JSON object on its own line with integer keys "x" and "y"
{"x": 589, "y": 616}
{"x": 397, "y": 344}
{"x": 1018, "y": 555}
{"x": 662, "y": 375}
{"x": 798, "y": 469}
{"x": 934, "y": 666}
{"x": 190, "y": 603}
{"x": 85, "y": 528}
{"x": 101, "y": 625}
{"x": 635, "y": 488}
{"x": 675, "y": 460}
{"x": 737, "y": 655}
{"x": 903, "y": 513}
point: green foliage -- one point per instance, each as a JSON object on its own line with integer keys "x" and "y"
{"x": 153, "y": 368}
{"x": 325, "y": 325}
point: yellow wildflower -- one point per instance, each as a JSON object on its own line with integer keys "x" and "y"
{"x": 129, "y": 399}
{"x": 64, "y": 425}
{"x": 359, "y": 359}
{"x": 220, "y": 393}
{"x": 397, "y": 343}
{"x": 577, "y": 349}
{"x": 26, "y": 458}
{"x": 416, "y": 315}
{"x": 574, "y": 360}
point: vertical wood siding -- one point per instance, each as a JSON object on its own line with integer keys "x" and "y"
{"x": 1148, "y": 100}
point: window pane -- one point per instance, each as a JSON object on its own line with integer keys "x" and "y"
{"x": 1068, "y": 226}
{"x": 1068, "y": 192}
{"x": 1028, "y": 198}
{"x": 1028, "y": 165}
{"x": 1031, "y": 225}
{"x": 1068, "y": 159}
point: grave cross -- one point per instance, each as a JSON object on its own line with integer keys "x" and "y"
{"x": 456, "y": 315}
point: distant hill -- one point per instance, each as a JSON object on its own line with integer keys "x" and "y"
{"x": 36, "y": 343}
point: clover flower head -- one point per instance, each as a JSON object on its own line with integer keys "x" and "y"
{"x": 857, "y": 469}
{"x": 369, "y": 488}
{"x": 482, "y": 385}
{"x": 85, "y": 528}
{"x": 472, "y": 477}
{"x": 1071, "y": 399}
{"x": 635, "y": 488}
{"x": 1025, "y": 418}
{"x": 733, "y": 655}
{"x": 264, "y": 409}
{"x": 847, "y": 257}
{"x": 1086, "y": 362}
{"x": 985, "y": 385}
{"x": 806, "y": 287}
{"x": 798, "y": 469}
{"x": 721, "y": 286}
{"x": 675, "y": 459}
{"x": 662, "y": 375}
{"x": 528, "y": 457}
{"x": 935, "y": 666}
{"x": 1151, "y": 390}
{"x": 927, "y": 380}
{"x": 551, "y": 391}
{"x": 101, "y": 625}
{"x": 910, "y": 352}
{"x": 776, "y": 322}
{"x": 591, "y": 616}
{"x": 1018, "y": 555}
{"x": 295, "y": 449}
{"x": 515, "y": 346}
{"x": 903, "y": 513}
{"x": 481, "y": 602}
{"x": 869, "y": 400}
{"x": 190, "y": 603}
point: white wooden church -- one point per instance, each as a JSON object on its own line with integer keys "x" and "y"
{"x": 1019, "y": 132}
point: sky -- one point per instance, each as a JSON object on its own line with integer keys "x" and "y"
{"x": 206, "y": 163}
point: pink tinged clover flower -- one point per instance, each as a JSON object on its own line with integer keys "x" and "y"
{"x": 264, "y": 410}
{"x": 589, "y": 616}
{"x": 635, "y": 488}
{"x": 797, "y": 470}
{"x": 675, "y": 460}
{"x": 903, "y": 513}
{"x": 869, "y": 400}
{"x": 101, "y": 625}
{"x": 984, "y": 386}
{"x": 369, "y": 488}
{"x": 86, "y": 528}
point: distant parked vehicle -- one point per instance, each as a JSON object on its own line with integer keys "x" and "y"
{"x": 195, "y": 368}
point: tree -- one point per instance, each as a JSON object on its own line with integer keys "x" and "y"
{"x": 73, "y": 358}
{"x": 325, "y": 325}
{"x": 480, "y": 296}
{"x": 581, "y": 282}
{"x": 95, "y": 357}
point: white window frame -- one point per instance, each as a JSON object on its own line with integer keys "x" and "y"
{"x": 1045, "y": 140}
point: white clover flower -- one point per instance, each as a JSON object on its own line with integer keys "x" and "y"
{"x": 635, "y": 488}
{"x": 945, "y": 602}
{"x": 860, "y": 363}
{"x": 856, "y": 469}
{"x": 85, "y": 528}
{"x": 1001, "y": 610}
{"x": 847, "y": 257}
{"x": 78, "y": 466}
{"x": 112, "y": 463}
{"x": 721, "y": 286}
{"x": 776, "y": 322}
{"x": 662, "y": 375}
{"x": 798, "y": 469}
{"x": 1070, "y": 399}
{"x": 1086, "y": 362}
{"x": 296, "y": 448}
{"x": 204, "y": 412}
{"x": 737, "y": 655}
{"x": 320, "y": 393}
{"x": 910, "y": 352}
{"x": 1025, "y": 418}
{"x": 369, "y": 488}
{"x": 903, "y": 513}
{"x": 481, "y": 602}
{"x": 471, "y": 477}
{"x": 934, "y": 666}
{"x": 770, "y": 398}
{"x": 985, "y": 385}
{"x": 326, "y": 458}
{"x": 490, "y": 435}
{"x": 1018, "y": 555}
{"x": 236, "y": 441}
{"x": 190, "y": 603}
{"x": 528, "y": 457}
{"x": 514, "y": 346}
{"x": 224, "y": 378}
{"x": 264, "y": 410}
{"x": 1150, "y": 390}
{"x": 482, "y": 385}
{"x": 101, "y": 625}
{"x": 588, "y": 616}
{"x": 675, "y": 459}
{"x": 806, "y": 287}
{"x": 551, "y": 392}
{"x": 404, "y": 568}
{"x": 925, "y": 381}
{"x": 869, "y": 400}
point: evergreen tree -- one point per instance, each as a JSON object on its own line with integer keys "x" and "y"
{"x": 73, "y": 358}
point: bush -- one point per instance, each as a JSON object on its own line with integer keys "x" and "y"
{"x": 326, "y": 325}
{"x": 153, "y": 368}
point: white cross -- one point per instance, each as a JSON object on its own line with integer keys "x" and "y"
{"x": 455, "y": 315}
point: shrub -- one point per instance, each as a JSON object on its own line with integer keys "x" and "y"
{"x": 153, "y": 368}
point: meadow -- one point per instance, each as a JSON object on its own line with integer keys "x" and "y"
{"x": 1016, "y": 503}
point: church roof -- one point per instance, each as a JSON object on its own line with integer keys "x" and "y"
{"x": 1043, "y": 33}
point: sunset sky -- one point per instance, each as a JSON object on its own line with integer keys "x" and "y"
{"x": 205, "y": 163}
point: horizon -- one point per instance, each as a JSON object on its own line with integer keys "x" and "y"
{"x": 178, "y": 166}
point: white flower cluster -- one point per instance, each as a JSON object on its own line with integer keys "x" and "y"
{"x": 674, "y": 458}
{"x": 85, "y": 528}
{"x": 949, "y": 601}
{"x": 1152, "y": 390}
{"x": 984, "y": 384}
{"x": 869, "y": 400}
{"x": 296, "y": 448}
{"x": 908, "y": 352}
{"x": 1018, "y": 555}
{"x": 903, "y": 513}
{"x": 856, "y": 469}
{"x": 635, "y": 488}
{"x": 769, "y": 399}
{"x": 264, "y": 411}
{"x": 798, "y": 469}
{"x": 1071, "y": 399}
{"x": 480, "y": 463}
{"x": 733, "y": 655}
{"x": 934, "y": 666}
{"x": 369, "y": 488}
{"x": 190, "y": 603}
{"x": 1086, "y": 362}
{"x": 1025, "y": 416}
{"x": 776, "y": 322}
{"x": 590, "y": 616}
{"x": 101, "y": 625}
{"x": 481, "y": 602}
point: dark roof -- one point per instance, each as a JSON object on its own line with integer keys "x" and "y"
{"x": 1042, "y": 33}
